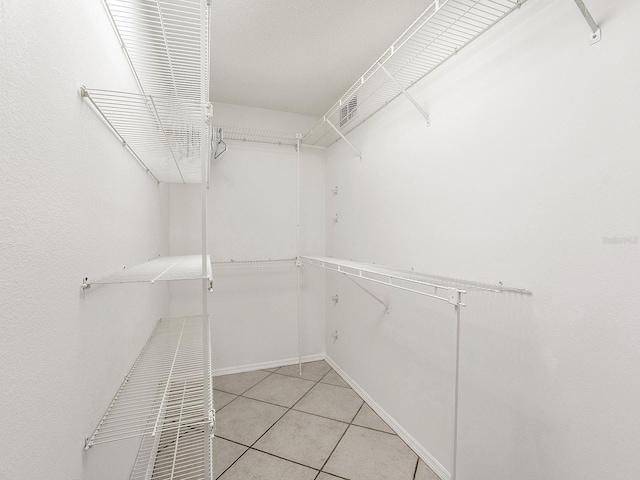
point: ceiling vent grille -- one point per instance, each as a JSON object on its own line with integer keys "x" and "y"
{"x": 349, "y": 111}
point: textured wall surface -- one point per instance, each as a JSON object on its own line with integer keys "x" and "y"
{"x": 73, "y": 203}
{"x": 529, "y": 169}
{"x": 252, "y": 216}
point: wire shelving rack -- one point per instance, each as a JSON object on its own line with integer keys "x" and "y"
{"x": 241, "y": 264}
{"x": 258, "y": 135}
{"x": 162, "y": 269}
{"x": 166, "y": 43}
{"x": 439, "y": 33}
{"x": 163, "y": 392}
{"x": 166, "y": 399}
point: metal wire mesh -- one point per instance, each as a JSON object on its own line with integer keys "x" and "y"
{"x": 285, "y": 262}
{"x": 164, "y": 391}
{"x": 161, "y": 269}
{"x": 258, "y": 135}
{"x": 435, "y": 281}
{"x": 440, "y": 32}
{"x": 167, "y": 49}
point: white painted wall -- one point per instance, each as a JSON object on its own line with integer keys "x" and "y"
{"x": 252, "y": 216}
{"x": 532, "y": 159}
{"x": 73, "y": 203}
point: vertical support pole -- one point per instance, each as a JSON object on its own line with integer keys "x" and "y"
{"x": 205, "y": 145}
{"x": 298, "y": 264}
{"x": 455, "y": 392}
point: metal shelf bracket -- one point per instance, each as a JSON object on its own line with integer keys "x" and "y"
{"x": 596, "y": 34}
{"x": 406, "y": 94}
{"x": 343, "y": 137}
{"x": 371, "y": 294}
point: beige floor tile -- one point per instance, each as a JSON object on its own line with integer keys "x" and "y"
{"x": 270, "y": 369}
{"x": 224, "y": 454}
{"x": 220, "y": 399}
{"x": 256, "y": 465}
{"x": 331, "y": 402}
{"x": 365, "y": 454}
{"x": 310, "y": 370}
{"x": 332, "y": 378}
{"x": 238, "y": 383}
{"x": 326, "y": 476}
{"x": 425, "y": 473}
{"x": 244, "y": 420}
{"x": 280, "y": 389}
{"x": 303, "y": 438}
{"x": 368, "y": 418}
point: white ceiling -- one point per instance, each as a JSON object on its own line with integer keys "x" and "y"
{"x": 300, "y": 56}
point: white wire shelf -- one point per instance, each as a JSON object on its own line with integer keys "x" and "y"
{"x": 188, "y": 267}
{"x": 163, "y": 393}
{"x": 441, "y": 288}
{"x": 176, "y": 454}
{"x": 439, "y": 33}
{"x": 164, "y": 138}
{"x": 166, "y": 43}
{"x": 270, "y": 263}
{"x": 257, "y": 135}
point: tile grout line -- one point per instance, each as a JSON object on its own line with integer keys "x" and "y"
{"x": 288, "y": 409}
{"x": 340, "y": 439}
{"x": 415, "y": 472}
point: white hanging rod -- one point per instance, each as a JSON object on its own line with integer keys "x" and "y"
{"x": 188, "y": 267}
{"x": 163, "y": 391}
{"x": 269, "y": 263}
{"x": 440, "y": 32}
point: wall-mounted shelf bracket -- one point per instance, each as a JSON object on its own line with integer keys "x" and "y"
{"x": 596, "y": 34}
{"x": 335, "y": 298}
{"x": 371, "y": 294}
{"x": 343, "y": 137}
{"x": 334, "y": 190}
{"x": 406, "y": 94}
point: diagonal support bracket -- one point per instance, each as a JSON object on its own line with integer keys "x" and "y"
{"x": 343, "y": 137}
{"x": 406, "y": 94}
{"x": 386, "y": 305}
{"x": 595, "y": 29}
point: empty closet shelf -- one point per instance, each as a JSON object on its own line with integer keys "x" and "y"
{"x": 441, "y": 287}
{"x": 164, "y": 393}
{"x": 187, "y": 267}
{"x": 438, "y": 34}
{"x": 270, "y": 263}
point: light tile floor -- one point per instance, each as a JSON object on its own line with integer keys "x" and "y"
{"x": 277, "y": 425}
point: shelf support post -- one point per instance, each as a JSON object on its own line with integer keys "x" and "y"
{"x": 406, "y": 94}
{"x": 298, "y": 264}
{"x": 343, "y": 137}
{"x": 595, "y": 29}
{"x": 455, "y": 388}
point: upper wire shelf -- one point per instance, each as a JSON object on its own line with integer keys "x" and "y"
{"x": 441, "y": 288}
{"x": 166, "y": 43}
{"x": 165, "y": 140}
{"x": 163, "y": 393}
{"x": 188, "y": 267}
{"x": 439, "y": 33}
{"x": 270, "y": 263}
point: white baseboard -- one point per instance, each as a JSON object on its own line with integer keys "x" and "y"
{"x": 402, "y": 433}
{"x": 264, "y": 365}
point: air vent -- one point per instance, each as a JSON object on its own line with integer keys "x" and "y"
{"x": 349, "y": 111}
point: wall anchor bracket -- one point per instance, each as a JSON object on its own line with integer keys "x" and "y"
{"x": 335, "y": 298}
{"x": 596, "y": 34}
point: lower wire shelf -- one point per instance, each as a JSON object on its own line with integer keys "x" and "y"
{"x": 167, "y": 399}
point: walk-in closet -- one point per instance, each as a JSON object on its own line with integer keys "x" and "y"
{"x": 320, "y": 240}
